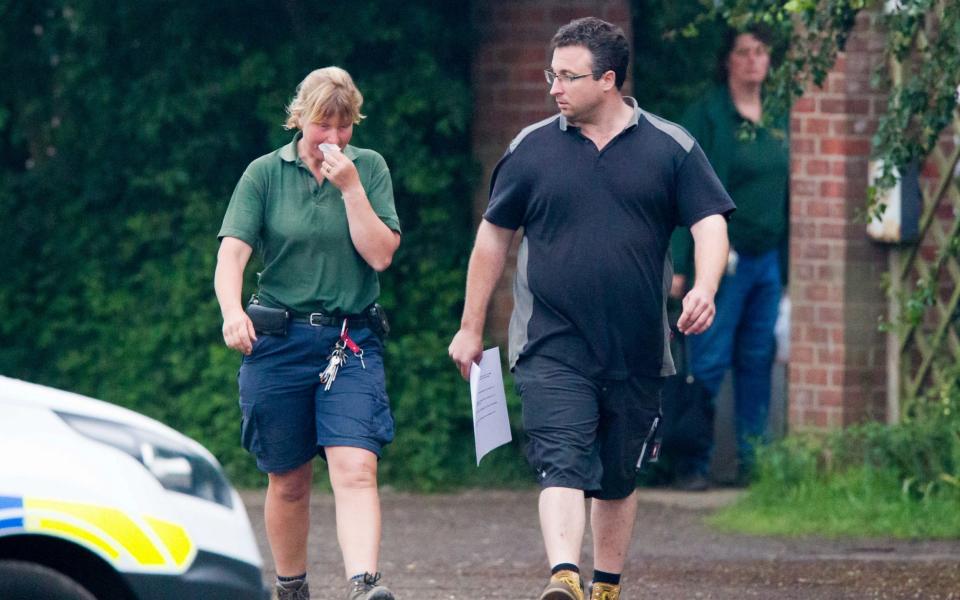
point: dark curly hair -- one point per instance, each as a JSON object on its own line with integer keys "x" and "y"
{"x": 605, "y": 41}
{"x": 730, "y": 35}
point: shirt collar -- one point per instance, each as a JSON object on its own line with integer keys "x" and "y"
{"x": 289, "y": 152}
{"x": 629, "y": 101}
{"x": 637, "y": 111}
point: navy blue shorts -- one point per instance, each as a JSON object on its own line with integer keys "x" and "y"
{"x": 583, "y": 433}
{"x": 288, "y": 418}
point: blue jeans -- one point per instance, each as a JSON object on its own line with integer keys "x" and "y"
{"x": 741, "y": 337}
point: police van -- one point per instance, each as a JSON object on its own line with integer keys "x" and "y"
{"x": 98, "y": 502}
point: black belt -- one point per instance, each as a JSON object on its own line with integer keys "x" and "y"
{"x": 319, "y": 319}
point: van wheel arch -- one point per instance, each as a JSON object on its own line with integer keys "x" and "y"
{"x": 73, "y": 562}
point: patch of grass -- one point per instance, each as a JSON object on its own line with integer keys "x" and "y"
{"x": 855, "y": 503}
{"x": 870, "y": 480}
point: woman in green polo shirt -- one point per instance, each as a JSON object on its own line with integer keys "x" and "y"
{"x": 321, "y": 213}
{"x": 755, "y": 172}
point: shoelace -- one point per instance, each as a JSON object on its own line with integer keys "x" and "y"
{"x": 571, "y": 581}
{"x": 368, "y": 581}
{"x": 605, "y": 594}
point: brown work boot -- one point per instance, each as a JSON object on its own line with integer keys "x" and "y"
{"x": 366, "y": 588}
{"x": 564, "y": 585}
{"x": 293, "y": 591}
{"x": 604, "y": 591}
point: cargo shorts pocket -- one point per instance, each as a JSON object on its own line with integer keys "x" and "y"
{"x": 248, "y": 430}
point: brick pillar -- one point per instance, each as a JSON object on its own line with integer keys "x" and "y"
{"x": 510, "y": 92}
{"x": 837, "y": 366}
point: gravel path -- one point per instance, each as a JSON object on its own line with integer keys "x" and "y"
{"x": 482, "y": 545}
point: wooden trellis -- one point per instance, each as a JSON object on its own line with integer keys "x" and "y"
{"x": 929, "y": 347}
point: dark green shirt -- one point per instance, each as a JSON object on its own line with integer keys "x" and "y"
{"x": 300, "y": 227}
{"x": 755, "y": 173}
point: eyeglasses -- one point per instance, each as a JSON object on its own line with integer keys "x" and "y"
{"x": 551, "y": 77}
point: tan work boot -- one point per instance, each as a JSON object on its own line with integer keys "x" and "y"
{"x": 604, "y": 591}
{"x": 564, "y": 585}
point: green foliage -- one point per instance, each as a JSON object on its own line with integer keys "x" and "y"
{"x": 669, "y": 70}
{"x": 123, "y": 129}
{"x": 856, "y": 503}
{"x": 871, "y": 480}
{"x": 901, "y": 480}
{"x": 924, "y": 38}
{"x": 806, "y": 37}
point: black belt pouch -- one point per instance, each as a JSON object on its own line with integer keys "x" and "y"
{"x": 377, "y": 320}
{"x": 268, "y": 321}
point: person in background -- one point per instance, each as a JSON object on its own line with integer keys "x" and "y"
{"x": 588, "y": 331}
{"x": 755, "y": 170}
{"x": 322, "y": 213}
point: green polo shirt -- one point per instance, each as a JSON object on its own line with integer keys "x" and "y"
{"x": 300, "y": 227}
{"x": 756, "y": 174}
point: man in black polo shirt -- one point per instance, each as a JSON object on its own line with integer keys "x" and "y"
{"x": 598, "y": 189}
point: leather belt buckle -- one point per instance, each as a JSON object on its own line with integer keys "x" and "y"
{"x": 318, "y": 319}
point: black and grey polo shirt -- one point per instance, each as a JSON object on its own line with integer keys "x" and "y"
{"x": 593, "y": 270}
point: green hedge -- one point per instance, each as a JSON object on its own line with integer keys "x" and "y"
{"x": 671, "y": 70}
{"x": 123, "y": 129}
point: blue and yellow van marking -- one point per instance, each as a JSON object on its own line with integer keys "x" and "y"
{"x": 14, "y": 505}
{"x": 10, "y": 502}
{"x": 152, "y": 543}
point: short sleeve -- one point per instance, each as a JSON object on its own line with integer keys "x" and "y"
{"x": 380, "y": 193}
{"x": 244, "y": 216}
{"x": 699, "y": 191}
{"x": 509, "y": 194}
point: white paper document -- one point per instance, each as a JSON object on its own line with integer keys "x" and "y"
{"x": 491, "y": 426}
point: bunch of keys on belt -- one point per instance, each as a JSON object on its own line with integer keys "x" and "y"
{"x": 338, "y": 357}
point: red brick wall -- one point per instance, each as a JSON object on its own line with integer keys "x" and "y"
{"x": 837, "y": 370}
{"x": 510, "y": 92}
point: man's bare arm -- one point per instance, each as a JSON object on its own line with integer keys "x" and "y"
{"x": 484, "y": 271}
{"x": 710, "y": 259}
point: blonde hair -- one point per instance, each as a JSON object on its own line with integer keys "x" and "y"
{"x": 325, "y": 93}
